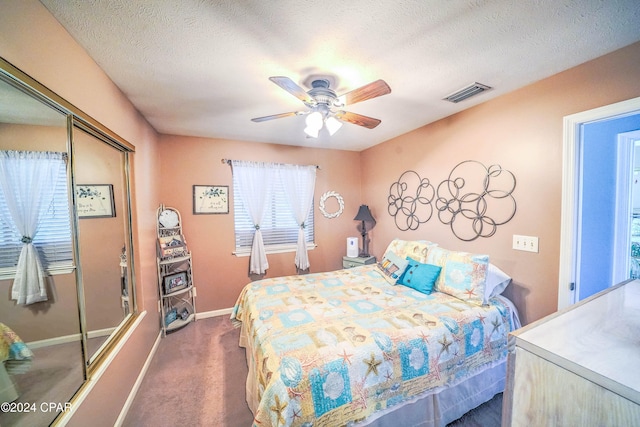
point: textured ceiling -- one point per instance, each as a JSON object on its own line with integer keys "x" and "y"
{"x": 201, "y": 67}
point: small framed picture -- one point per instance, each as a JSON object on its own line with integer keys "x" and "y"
{"x": 175, "y": 282}
{"x": 210, "y": 199}
{"x": 95, "y": 201}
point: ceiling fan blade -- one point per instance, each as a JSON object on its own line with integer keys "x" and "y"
{"x": 275, "y": 116}
{"x": 358, "y": 119}
{"x": 372, "y": 90}
{"x": 290, "y": 86}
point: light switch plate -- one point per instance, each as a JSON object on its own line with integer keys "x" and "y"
{"x": 525, "y": 243}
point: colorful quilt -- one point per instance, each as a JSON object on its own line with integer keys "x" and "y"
{"x": 13, "y": 352}
{"x": 333, "y": 348}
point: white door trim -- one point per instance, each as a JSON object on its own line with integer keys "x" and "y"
{"x": 572, "y": 135}
{"x": 623, "y": 209}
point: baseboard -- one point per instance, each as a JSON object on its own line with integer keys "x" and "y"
{"x": 68, "y": 338}
{"x": 136, "y": 385}
{"x": 214, "y": 313}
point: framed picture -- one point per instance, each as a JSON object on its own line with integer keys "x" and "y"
{"x": 171, "y": 246}
{"x": 95, "y": 201}
{"x": 210, "y": 199}
{"x": 175, "y": 282}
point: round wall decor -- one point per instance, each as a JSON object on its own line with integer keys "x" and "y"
{"x": 323, "y": 199}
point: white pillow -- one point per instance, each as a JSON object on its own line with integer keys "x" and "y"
{"x": 497, "y": 281}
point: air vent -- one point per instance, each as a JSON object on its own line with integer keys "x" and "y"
{"x": 467, "y": 92}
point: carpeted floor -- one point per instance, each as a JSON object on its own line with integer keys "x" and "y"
{"x": 54, "y": 376}
{"x": 197, "y": 378}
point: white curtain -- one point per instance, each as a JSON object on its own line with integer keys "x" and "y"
{"x": 256, "y": 184}
{"x": 28, "y": 180}
{"x": 298, "y": 183}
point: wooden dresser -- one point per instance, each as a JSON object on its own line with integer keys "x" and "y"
{"x": 578, "y": 367}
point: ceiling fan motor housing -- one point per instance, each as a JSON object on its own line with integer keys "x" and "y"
{"x": 321, "y": 92}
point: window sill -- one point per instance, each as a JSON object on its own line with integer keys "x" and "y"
{"x": 275, "y": 249}
{"x": 10, "y": 273}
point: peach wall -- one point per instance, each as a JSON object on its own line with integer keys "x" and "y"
{"x": 218, "y": 275}
{"x": 522, "y": 132}
{"x": 35, "y": 42}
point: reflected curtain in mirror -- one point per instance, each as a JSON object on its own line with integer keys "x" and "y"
{"x": 28, "y": 181}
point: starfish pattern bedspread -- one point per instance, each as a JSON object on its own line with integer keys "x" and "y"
{"x": 332, "y": 348}
{"x": 13, "y": 352}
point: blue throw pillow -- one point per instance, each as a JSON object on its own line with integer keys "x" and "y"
{"x": 419, "y": 276}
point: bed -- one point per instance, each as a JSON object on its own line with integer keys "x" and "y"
{"x": 15, "y": 358}
{"x": 354, "y": 347}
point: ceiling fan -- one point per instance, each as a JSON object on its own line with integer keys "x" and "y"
{"x": 325, "y": 107}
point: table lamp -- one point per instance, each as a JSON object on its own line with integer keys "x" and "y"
{"x": 364, "y": 215}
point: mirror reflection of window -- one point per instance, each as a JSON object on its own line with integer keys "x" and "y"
{"x": 42, "y": 219}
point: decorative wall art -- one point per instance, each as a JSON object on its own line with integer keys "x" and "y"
{"x": 410, "y": 201}
{"x": 474, "y": 200}
{"x": 95, "y": 201}
{"x": 323, "y": 200}
{"x": 210, "y": 199}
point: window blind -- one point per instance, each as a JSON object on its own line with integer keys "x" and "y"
{"x": 279, "y": 228}
{"x": 53, "y": 239}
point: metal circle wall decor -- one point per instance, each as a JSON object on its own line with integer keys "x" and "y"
{"x": 410, "y": 201}
{"x": 474, "y": 200}
{"x": 338, "y": 198}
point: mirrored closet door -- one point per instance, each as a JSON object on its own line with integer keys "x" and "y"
{"x": 69, "y": 176}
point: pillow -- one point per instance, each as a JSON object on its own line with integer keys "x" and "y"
{"x": 497, "y": 281}
{"x": 463, "y": 275}
{"x": 391, "y": 267}
{"x": 419, "y": 276}
{"x": 416, "y": 249}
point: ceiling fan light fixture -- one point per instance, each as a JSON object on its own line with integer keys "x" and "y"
{"x": 311, "y": 132}
{"x": 333, "y": 125}
{"x": 322, "y": 100}
{"x": 314, "y": 120}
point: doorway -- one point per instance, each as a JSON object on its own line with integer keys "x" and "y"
{"x": 627, "y": 216}
{"x": 588, "y": 224}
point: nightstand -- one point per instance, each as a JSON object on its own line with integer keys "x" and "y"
{"x": 349, "y": 262}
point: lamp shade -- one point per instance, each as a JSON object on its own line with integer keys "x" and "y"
{"x": 314, "y": 120}
{"x": 312, "y": 132}
{"x": 364, "y": 214}
{"x": 332, "y": 124}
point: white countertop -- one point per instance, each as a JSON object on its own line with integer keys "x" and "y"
{"x": 598, "y": 339}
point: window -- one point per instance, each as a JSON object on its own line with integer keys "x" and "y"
{"x": 279, "y": 227}
{"x": 53, "y": 239}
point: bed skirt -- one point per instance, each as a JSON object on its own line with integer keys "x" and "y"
{"x": 440, "y": 407}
